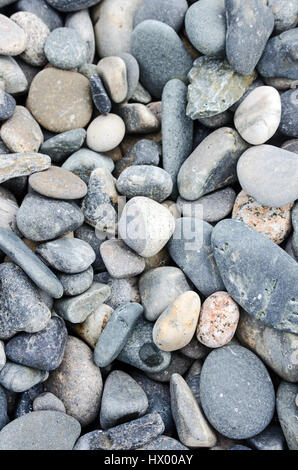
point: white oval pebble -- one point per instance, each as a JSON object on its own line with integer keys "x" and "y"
{"x": 105, "y": 133}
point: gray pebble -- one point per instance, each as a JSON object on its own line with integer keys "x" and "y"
{"x": 132, "y": 73}
{"x": 287, "y": 412}
{"x": 41, "y": 9}
{"x": 122, "y": 290}
{"x": 80, "y": 21}
{"x": 99, "y": 95}
{"x": 48, "y": 401}
{"x": 138, "y": 118}
{"x": 289, "y": 113}
{"x": 141, "y": 95}
{"x": 179, "y": 364}
{"x": 164, "y": 443}
{"x": 71, "y": 5}
{"x": 19, "y": 378}
{"x": 271, "y": 438}
{"x": 7, "y": 105}
{"x": 25, "y": 402}
{"x": 84, "y": 161}
{"x": 285, "y": 14}
{"x": 62, "y": 145}
{"x": 120, "y": 261}
{"x": 171, "y": 12}
{"x": 89, "y": 235}
{"x": 144, "y": 152}
{"x": 75, "y": 284}
{"x": 65, "y": 49}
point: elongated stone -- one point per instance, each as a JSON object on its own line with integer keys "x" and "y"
{"x": 22, "y": 164}
{"x": 18, "y": 378}
{"x": 269, "y": 295}
{"x": 286, "y": 404}
{"x": 99, "y": 95}
{"x": 62, "y": 145}
{"x": 84, "y": 161}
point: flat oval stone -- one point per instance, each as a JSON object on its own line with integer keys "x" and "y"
{"x": 176, "y": 326}
{"x": 18, "y": 378}
{"x": 7, "y": 105}
{"x": 262, "y": 168}
{"x": 84, "y": 161}
{"x": 160, "y": 53}
{"x": 258, "y": 116}
{"x": 62, "y": 145}
{"x": 99, "y": 95}
{"x": 218, "y": 320}
{"x": 60, "y": 100}
{"x": 13, "y": 37}
{"x": 289, "y": 113}
{"x": 80, "y": 22}
{"x": 43, "y": 350}
{"x": 21, "y": 133}
{"x": 65, "y": 49}
{"x": 58, "y": 183}
{"x": 236, "y": 392}
{"x": 121, "y": 261}
{"x": 286, "y": 404}
{"x": 274, "y": 222}
{"x": 48, "y": 401}
{"x": 171, "y": 12}
{"x": 212, "y": 165}
{"x": 105, "y": 133}
{"x": 75, "y": 284}
{"x": 41, "y": 9}
{"x": 190, "y": 248}
{"x": 12, "y": 75}
{"x": 112, "y": 71}
{"x": 145, "y": 180}
{"x": 77, "y": 367}
{"x": 71, "y": 5}
{"x": 41, "y": 430}
{"x": 268, "y": 295}
{"x": 91, "y": 329}
{"x": 41, "y": 219}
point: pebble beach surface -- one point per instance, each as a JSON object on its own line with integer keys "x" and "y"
{"x": 148, "y": 225}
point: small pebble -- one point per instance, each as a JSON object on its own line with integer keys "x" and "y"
{"x": 105, "y": 133}
{"x": 7, "y": 105}
{"x": 112, "y": 71}
{"x": 58, "y": 183}
{"x": 99, "y": 95}
{"x": 62, "y": 145}
{"x": 21, "y": 133}
{"x": 18, "y": 378}
{"x": 65, "y": 49}
{"x": 179, "y": 364}
{"x": 91, "y": 329}
{"x": 120, "y": 261}
{"x": 144, "y": 152}
{"x": 287, "y": 412}
{"x": 75, "y": 284}
{"x": 48, "y": 401}
{"x": 132, "y": 73}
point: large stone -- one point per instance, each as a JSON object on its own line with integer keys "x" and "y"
{"x": 286, "y": 404}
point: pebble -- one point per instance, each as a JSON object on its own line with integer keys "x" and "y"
{"x": 218, "y": 320}
{"x": 99, "y": 95}
{"x": 18, "y": 378}
{"x": 276, "y": 348}
{"x": 144, "y": 152}
{"x": 91, "y": 329}
{"x": 145, "y": 226}
{"x": 192, "y": 428}
{"x": 105, "y": 133}
{"x": 271, "y": 438}
{"x": 280, "y": 84}
{"x": 43, "y": 350}
{"x": 160, "y": 53}
{"x": 77, "y": 368}
{"x": 179, "y": 364}
{"x": 138, "y": 119}
{"x": 77, "y": 308}
{"x": 291, "y": 145}
{"x": 141, "y": 95}
{"x": 214, "y": 87}
{"x": 62, "y": 145}
{"x": 40, "y": 430}
{"x": 13, "y": 37}
{"x": 194, "y": 349}
{"x": 84, "y": 161}
{"x": 88, "y": 234}
{"x": 122, "y": 400}
{"x": 285, "y": 14}
{"x": 249, "y": 26}
{"x": 140, "y": 350}
{"x": 112, "y": 71}
{"x": 2, "y": 357}
{"x": 289, "y": 113}
{"x": 265, "y": 167}
{"x": 48, "y": 401}
{"x": 274, "y": 222}
{"x": 212, "y": 165}
{"x": 190, "y": 248}
{"x": 75, "y": 284}
{"x": 120, "y": 261}
{"x": 60, "y": 100}
{"x": 80, "y": 22}
{"x": 71, "y": 5}
{"x": 171, "y": 12}
{"x": 280, "y": 56}
{"x": 177, "y": 128}
{"x": 58, "y": 183}
{"x": 268, "y": 295}
{"x": 41, "y": 9}
{"x": 205, "y": 24}
{"x": 3, "y": 414}
{"x": 12, "y": 75}
{"x": 159, "y": 287}
{"x": 287, "y": 412}
{"x": 8, "y": 210}
{"x": 176, "y": 325}
{"x": 132, "y": 73}
{"x": 164, "y": 443}
{"x": 236, "y": 392}
{"x": 212, "y": 207}
{"x": 21, "y": 133}
{"x": 122, "y": 290}
{"x": 116, "y": 333}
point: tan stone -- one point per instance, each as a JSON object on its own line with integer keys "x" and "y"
{"x": 58, "y": 183}
{"x": 92, "y": 327}
{"x": 112, "y": 71}
{"x": 13, "y": 38}
{"x": 21, "y": 133}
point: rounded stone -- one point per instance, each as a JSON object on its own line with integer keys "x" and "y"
{"x": 285, "y": 14}
{"x": 58, "y": 183}
{"x": 274, "y": 222}
{"x": 80, "y": 22}
{"x": 75, "y": 284}
{"x": 65, "y": 49}
{"x": 77, "y": 368}
{"x": 41, "y": 9}
{"x": 71, "y": 5}
{"x": 13, "y": 37}
{"x": 171, "y": 12}
{"x": 105, "y": 133}
{"x": 218, "y": 320}
{"x": 112, "y": 71}
{"x": 236, "y": 392}
{"x": 48, "y": 401}
{"x": 91, "y": 329}
{"x": 60, "y": 100}
{"x": 258, "y": 116}
{"x": 18, "y": 378}
{"x": 84, "y": 161}
{"x": 121, "y": 261}
{"x": 289, "y": 113}
{"x": 176, "y": 326}
{"x": 62, "y": 145}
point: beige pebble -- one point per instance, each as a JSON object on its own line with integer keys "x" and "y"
{"x": 58, "y": 183}
{"x": 274, "y": 222}
{"x": 105, "y": 133}
{"x": 92, "y": 327}
{"x": 176, "y": 326}
{"x": 112, "y": 71}
{"x": 218, "y": 320}
{"x": 21, "y": 133}
{"x": 13, "y": 39}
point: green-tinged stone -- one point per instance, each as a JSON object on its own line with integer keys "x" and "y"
{"x": 214, "y": 87}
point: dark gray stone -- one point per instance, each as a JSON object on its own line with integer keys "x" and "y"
{"x": 164, "y": 443}
{"x": 62, "y": 145}
{"x": 88, "y": 234}
{"x": 71, "y": 5}
{"x": 249, "y": 26}
{"x": 116, "y": 333}
{"x": 190, "y": 248}
{"x": 160, "y": 53}
{"x": 43, "y": 350}
{"x": 25, "y": 403}
{"x": 271, "y": 438}
{"x": 144, "y": 152}
{"x": 236, "y": 392}
{"x": 270, "y": 295}
{"x": 179, "y": 364}
{"x": 3, "y": 409}
{"x": 291, "y": 145}
{"x": 132, "y": 73}
{"x": 84, "y": 161}
{"x": 40, "y": 218}
{"x": 99, "y": 95}
{"x": 289, "y": 112}
{"x": 75, "y": 284}
{"x": 65, "y": 49}
{"x": 239, "y": 447}
{"x": 286, "y": 399}
{"x": 18, "y": 378}
{"x": 122, "y": 290}
{"x": 7, "y": 105}
{"x": 41, "y": 9}
{"x": 171, "y": 12}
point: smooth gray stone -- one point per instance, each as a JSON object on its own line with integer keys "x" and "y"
{"x": 212, "y": 165}
{"x": 280, "y": 56}
{"x": 25, "y": 402}
{"x": 236, "y": 392}
{"x": 295, "y": 230}
{"x": 3, "y": 409}
{"x": 291, "y": 145}
{"x": 89, "y": 235}
{"x": 127, "y": 436}
{"x": 41, "y": 9}
{"x": 271, "y": 438}
{"x": 43, "y": 350}
{"x": 144, "y": 152}
{"x": 84, "y": 161}
{"x": 75, "y": 284}
{"x": 116, "y": 333}
{"x": 145, "y": 180}
{"x": 160, "y": 53}
{"x": 69, "y": 255}
{"x": 123, "y": 291}
{"x": 164, "y": 443}
{"x": 41, "y": 218}
{"x": 7, "y": 105}
{"x": 171, "y": 12}
{"x": 190, "y": 248}
{"x": 159, "y": 287}
{"x": 177, "y": 128}
{"x": 77, "y": 308}
{"x": 179, "y": 364}
{"x": 287, "y": 412}
{"x": 141, "y": 352}
{"x": 48, "y": 401}
{"x": 289, "y": 113}
{"x": 132, "y": 73}
{"x": 270, "y": 295}
{"x": 71, "y": 5}
{"x": 81, "y": 22}
{"x": 141, "y": 95}
{"x": 285, "y": 14}
{"x": 122, "y": 400}
{"x": 65, "y": 49}
{"x": 62, "y": 145}
{"x": 18, "y": 378}
{"x": 249, "y": 26}
{"x": 99, "y": 95}
{"x": 41, "y": 430}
